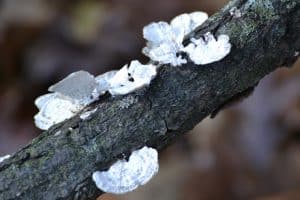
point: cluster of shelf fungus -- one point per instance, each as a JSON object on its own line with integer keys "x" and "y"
{"x": 164, "y": 46}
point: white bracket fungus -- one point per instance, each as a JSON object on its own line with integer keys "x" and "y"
{"x": 125, "y": 176}
{"x": 2, "y": 158}
{"x": 103, "y": 81}
{"x": 165, "y": 42}
{"x": 70, "y": 96}
{"x": 129, "y": 79}
{"x": 207, "y": 49}
{"x": 164, "y": 45}
{"x": 54, "y": 108}
{"x": 79, "y": 89}
{"x": 188, "y": 22}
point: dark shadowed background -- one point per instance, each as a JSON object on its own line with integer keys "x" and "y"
{"x": 250, "y": 151}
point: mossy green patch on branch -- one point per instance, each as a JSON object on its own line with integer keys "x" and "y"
{"x": 263, "y": 9}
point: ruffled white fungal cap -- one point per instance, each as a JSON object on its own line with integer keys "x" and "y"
{"x": 164, "y": 41}
{"x": 54, "y": 108}
{"x": 160, "y": 32}
{"x": 69, "y": 96}
{"x": 79, "y": 89}
{"x": 164, "y": 45}
{"x": 188, "y": 22}
{"x": 125, "y": 176}
{"x": 208, "y": 49}
{"x": 129, "y": 79}
{"x": 103, "y": 81}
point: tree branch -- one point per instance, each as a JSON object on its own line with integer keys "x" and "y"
{"x": 59, "y": 163}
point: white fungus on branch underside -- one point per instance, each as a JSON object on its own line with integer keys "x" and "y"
{"x": 125, "y": 176}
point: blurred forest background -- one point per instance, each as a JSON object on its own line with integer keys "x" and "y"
{"x": 250, "y": 151}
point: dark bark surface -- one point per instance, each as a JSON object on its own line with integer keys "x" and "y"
{"x": 59, "y": 163}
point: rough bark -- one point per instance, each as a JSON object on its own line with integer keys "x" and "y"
{"x": 58, "y": 164}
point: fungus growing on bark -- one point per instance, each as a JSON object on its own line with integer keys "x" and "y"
{"x": 165, "y": 41}
{"x": 69, "y": 96}
{"x": 131, "y": 78}
{"x": 79, "y": 89}
{"x": 53, "y": 109}
{"x": 208, "y": 49}
{"x": 164, "y": 45}
{"x": 124, "y": 176}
